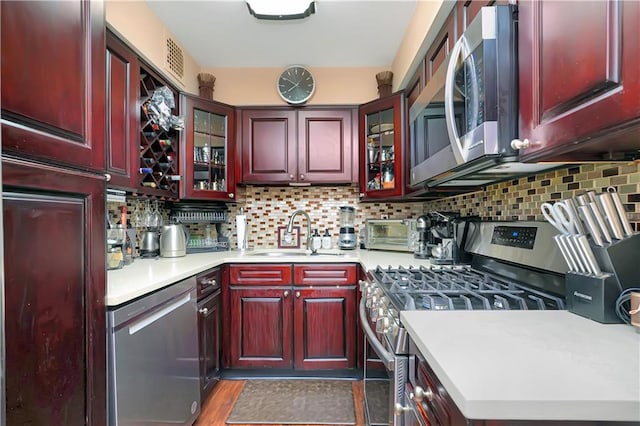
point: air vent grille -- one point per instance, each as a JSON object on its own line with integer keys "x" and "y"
{"x": 175, "y": 58}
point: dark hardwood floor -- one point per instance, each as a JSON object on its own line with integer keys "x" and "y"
{"x": 218, "y": 406}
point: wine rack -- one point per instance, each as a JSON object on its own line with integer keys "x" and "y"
{"x": 159, "y": 174}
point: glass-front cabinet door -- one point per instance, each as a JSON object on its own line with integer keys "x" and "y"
{"x": 209, "y": 150}
{"x": 382, "y": 132}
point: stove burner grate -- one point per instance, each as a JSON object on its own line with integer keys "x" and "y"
{"x": 454, "y": 287}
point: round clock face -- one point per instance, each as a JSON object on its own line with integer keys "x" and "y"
{"x": 296, "y": 85}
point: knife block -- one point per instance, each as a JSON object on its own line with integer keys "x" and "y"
{"x": 593, "y": 297}
{"x": 620, "y": 258}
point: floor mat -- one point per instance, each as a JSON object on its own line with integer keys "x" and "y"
{"x": 294, "y": 402}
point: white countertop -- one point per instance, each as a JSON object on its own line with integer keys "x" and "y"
{"x": 147, "y": 275}
{"x": 537, "y": 365}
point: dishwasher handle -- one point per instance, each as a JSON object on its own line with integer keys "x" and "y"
{"x": 148, "y": 319}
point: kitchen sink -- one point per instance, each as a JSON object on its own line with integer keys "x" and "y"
{"x": 289, "y": 252}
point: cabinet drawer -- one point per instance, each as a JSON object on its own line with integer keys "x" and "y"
{"x": 260, "y": 274}
{"x": 325, "y": 274}
{"x": 208, "y": 281}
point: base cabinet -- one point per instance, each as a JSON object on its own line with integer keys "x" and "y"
{"x": 210, "y": 342}
{"x": 54, "y": 292}
{"x": 283, "y": 324}
{"x": 261, "y": 328}
{"x": 324, "y": 328}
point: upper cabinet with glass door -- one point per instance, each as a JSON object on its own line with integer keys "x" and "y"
{"x": 381, "y": 148}
{"x": 209, "y": 152}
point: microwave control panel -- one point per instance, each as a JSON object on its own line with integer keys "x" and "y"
{"x": 514, "y": 236}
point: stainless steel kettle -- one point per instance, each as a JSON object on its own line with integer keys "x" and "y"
{"x": 173, "y": 240}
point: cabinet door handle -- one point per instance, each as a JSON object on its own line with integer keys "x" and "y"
{"x": 520, "y": 144}
{"x": 286, "y": 293}
{"x": 290, "y": 177}
{"x": 298, "y": 294}
{"x": 203, "y": 311}
{"x": 301, "y": 176}
{"x": 231, "y": 195}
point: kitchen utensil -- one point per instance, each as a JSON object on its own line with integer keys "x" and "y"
{"x": 601, "y": 225}
{"x": 173, "y": 240}
{"x": 628, "y": 231}
{"x": 610, "y": 214}
{"x": 589, "y": 257}
{"x": 571, "y": 205}
{"x": 592, "y": 226}
{"x": 564, "y": 250}
{"x": 560, "y": 216}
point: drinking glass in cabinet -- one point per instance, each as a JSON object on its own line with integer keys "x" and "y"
{"x": 201, "y": 121}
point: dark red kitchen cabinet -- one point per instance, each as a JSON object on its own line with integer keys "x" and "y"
{"x": 210, "y": 342}
{"x": 53, "y": 92}
{"x": 579, "y": 83}
{"x": 325, "y": 274}
{"x": 382, "y": 128}
{"x": 122, "y": 120}
{"x": 261, "y": 327}
{"x": 325, "y": 149}
{"x": 288, "y": 146}
{"x": 209, "y": 157}
{"x": 324, "y": 328}
{"x": 269, "y": 153}
{"x": 54, "y": 272}
{"x": 260, "y": 274}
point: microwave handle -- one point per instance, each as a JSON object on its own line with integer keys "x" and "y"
{"x": 454, "y": 138}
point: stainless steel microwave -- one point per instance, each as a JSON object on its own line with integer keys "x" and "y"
{"x": 391, "y": 234}
{"x": 464, "y": 120}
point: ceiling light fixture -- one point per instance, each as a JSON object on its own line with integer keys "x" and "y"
{"x": 281, "y": 9}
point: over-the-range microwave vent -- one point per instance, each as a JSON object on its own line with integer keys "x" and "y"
{"x": 488, "y": 170}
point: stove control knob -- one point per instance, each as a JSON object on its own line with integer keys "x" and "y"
{"x": 363, "y": 285}
{"x": 399, "y": 409}
{"x": 382, "y": 324}
{"x": 376, "y": 313}
{"x": 420, "y": 394}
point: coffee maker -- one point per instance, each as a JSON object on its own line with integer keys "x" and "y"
{"x": 347, "y": 239}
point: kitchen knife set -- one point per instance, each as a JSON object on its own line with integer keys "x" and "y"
{"x": 600, "y": 216}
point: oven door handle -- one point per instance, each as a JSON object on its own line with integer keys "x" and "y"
{"x": 385, "y": 356}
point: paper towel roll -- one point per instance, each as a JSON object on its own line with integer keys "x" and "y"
{"x": 241, "y": 228}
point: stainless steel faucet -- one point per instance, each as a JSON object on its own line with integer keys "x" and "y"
{"x": 289, "y": 229}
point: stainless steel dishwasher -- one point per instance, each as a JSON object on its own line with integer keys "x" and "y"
{"x": 153, "y": 358}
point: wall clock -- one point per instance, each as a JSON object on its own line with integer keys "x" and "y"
{"x": 296, "y": 85}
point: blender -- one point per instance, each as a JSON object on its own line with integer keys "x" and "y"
{"x": 347, "y": 239}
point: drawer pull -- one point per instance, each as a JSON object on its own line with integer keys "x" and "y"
{"x": 286, "y": 293}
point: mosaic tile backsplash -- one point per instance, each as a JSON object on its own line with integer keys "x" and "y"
{"x": 269, "y": 207}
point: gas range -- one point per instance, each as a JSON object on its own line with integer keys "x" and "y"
{"x": 458, "y": 287}
{"x": 514, "y": 266}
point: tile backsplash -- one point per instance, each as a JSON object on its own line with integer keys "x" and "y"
{"x": 267, "y": 207}
{"x": 520, "y": 199}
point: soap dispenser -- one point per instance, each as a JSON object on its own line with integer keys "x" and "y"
{"x": 316, "y": 240}
{"x": 326, "y": 240}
